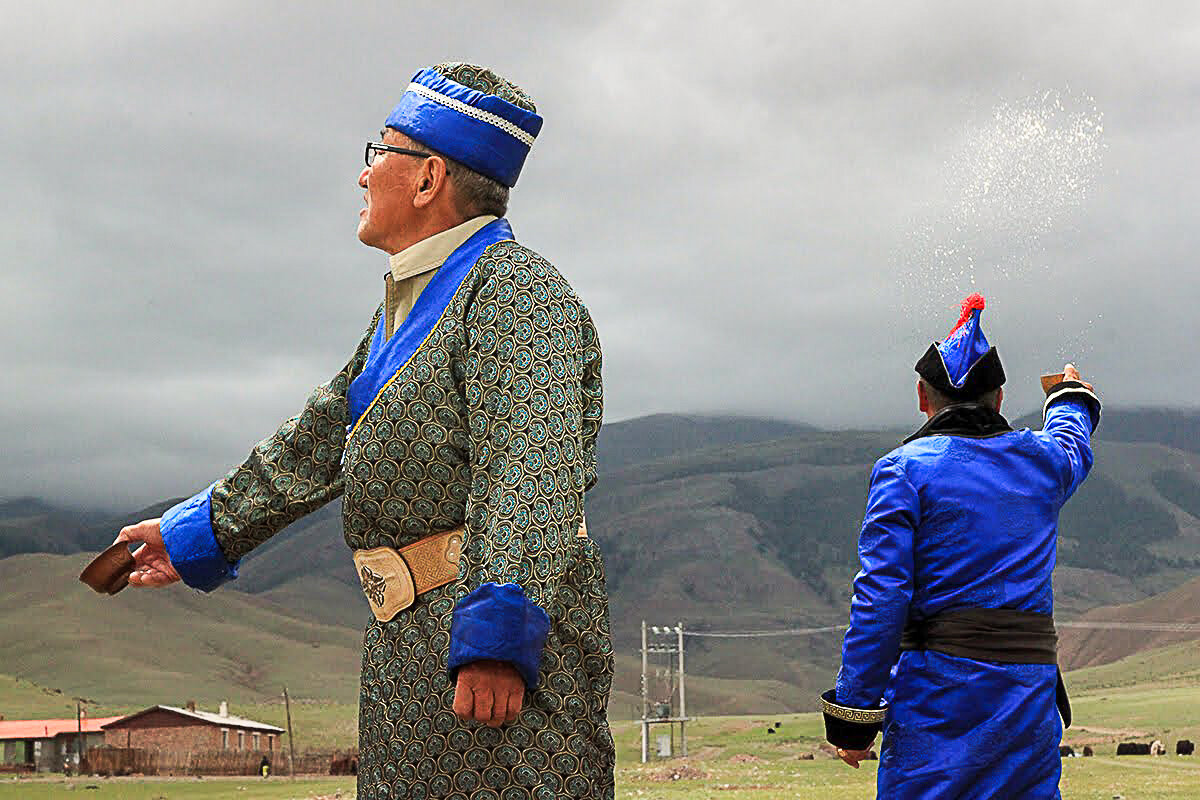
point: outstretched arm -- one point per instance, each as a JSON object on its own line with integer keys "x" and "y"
{"x": 287, "y": 475}
{"x": 1071, "y": 415}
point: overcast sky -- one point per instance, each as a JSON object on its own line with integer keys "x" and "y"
{"x": 769, "y": 208}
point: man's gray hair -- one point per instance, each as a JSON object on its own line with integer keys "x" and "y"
{"x": 476, "y": 193}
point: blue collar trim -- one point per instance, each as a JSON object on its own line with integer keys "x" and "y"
{"x": 387, "y": 358}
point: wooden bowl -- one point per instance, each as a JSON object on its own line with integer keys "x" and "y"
{"x": 1051, "y": 380}
{"x": 109, "y": 572}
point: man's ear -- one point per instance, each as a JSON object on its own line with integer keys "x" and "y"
{"x": 431, "y": 181}
{"x": 922, "y": 398}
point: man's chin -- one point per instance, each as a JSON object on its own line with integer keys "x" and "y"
{"x": 365, "y": 235}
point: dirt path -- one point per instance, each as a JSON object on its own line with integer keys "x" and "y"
{"x": 1109, "y": 731}
{"x": 1152, "y": 762}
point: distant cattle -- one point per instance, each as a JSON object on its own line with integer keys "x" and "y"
{"x": 1184, "y": 747}
{"x": 344, "y": 766}
{"x": 1066, "y": 751}
{"x": 1157, "y": 748}
{"x": 770, "y": 730}
{"x": 1087, "y": 751}
{"x": 1133, "y": 749}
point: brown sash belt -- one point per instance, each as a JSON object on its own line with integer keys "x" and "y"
{"x": 393, "y": 579}
{"x": 1004, "y": 635}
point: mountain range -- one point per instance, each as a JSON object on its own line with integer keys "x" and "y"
{"x": 721, "y": 523}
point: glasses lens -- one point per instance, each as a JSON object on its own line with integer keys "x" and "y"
{"x": 371, "y": 153}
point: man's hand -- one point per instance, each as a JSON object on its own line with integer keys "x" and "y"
{"x": 854, "y": 757}
{"x": 489, "y": 691}
{"x": 152, "y": 564}
{"x": 1072, "y": 374}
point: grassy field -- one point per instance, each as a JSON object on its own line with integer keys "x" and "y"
{"x": 180, "y": 788}
{"x": 734, "y": 757}
{"x": 1152, "y": 695}
{"x": 715, "y": 771}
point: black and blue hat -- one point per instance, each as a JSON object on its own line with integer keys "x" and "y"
{"x": 472, "y": 115}
{"x": 963, "y": 365}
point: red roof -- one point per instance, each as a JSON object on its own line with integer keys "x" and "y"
{"x": 47, "y": 728}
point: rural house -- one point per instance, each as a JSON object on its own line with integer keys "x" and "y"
{"x": 43, "y": 745}
{"x": 186, "y": 729}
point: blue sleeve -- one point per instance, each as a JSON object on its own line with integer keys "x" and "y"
{"x": 882, "y": 589}
{"x": 191, "y": 545}
{"x": 498, "y": 622}
{"x": 1071, "y": 415}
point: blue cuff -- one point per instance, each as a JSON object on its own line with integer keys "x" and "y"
{"x": 191, "y": 545}
{"x": 499, "y": 622}
{"x": 1073, "y": 391}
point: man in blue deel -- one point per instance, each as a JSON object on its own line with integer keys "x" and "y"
{"x": 951, "y": 644}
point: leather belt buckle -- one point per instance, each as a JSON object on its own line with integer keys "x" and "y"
{"x": 386, "y": 581}
{"x": 393, "y": 579}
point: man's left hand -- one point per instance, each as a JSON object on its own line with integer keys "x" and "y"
{"x": 854, "y": 757}
{"x": 491, "y": 692}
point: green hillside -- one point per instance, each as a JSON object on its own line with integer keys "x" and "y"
{"x": 168, "y": 646}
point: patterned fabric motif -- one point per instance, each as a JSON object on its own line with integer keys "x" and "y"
{"x": 482, "y": 79}
{"x": 491, "y": 423}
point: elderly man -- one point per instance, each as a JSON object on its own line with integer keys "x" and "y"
{"x": 462, "y": 435}
{"x": 951, "y": 645}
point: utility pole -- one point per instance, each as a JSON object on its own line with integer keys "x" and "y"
{"x": 672, "y": 715}
{"x": 682, "y": 696}
{"x": 287, "y": 704}
{"x": 79, "y": 737}
{"x": 645, "y": 702}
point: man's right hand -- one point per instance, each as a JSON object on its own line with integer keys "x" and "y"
{"x": 1072, "y": 374}
{"x": 152, "y": 564}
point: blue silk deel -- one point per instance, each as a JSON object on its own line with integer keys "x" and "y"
{"x": 959, "y": 522}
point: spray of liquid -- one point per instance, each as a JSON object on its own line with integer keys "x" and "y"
{"x": 1016, "y": 178}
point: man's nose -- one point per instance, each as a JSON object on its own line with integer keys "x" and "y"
{"x": 362, "y": 177}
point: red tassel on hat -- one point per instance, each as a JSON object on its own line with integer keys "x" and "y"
{"x": 972, "y": 303}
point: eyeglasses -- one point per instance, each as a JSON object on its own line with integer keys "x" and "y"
{"x": 375, "y": 148}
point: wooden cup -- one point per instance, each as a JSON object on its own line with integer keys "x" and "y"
{"x": 109, "y": 572}
{"x": 1050, "y": 380}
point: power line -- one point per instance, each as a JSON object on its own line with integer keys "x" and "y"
{"x": 1172, "y": 627}
{"x": 752, "y": 634}
{"x": 1167, "y": 627}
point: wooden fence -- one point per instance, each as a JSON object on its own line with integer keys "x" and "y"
{"x": 107, "y": 760}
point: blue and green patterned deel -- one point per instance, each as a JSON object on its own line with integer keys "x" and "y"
{"x": 481, "y": 410}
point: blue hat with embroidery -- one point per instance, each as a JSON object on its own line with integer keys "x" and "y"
{"x": 471, "y": 115}
{"x": 963, "y": 365}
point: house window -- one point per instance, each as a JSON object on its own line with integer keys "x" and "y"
{"x": 270, "y": 742}
{"x": 224, "y": 738}
{"x": 257, "y": 741}
{"x": 241, "y": 740}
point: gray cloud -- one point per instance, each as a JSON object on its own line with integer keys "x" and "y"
{"x": 732, "y": 188}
